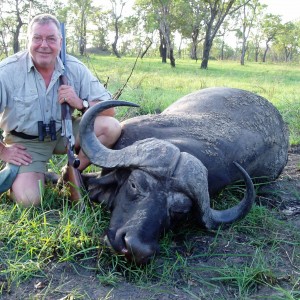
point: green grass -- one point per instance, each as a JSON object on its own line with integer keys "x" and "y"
{"x": 260, "y": 251}
{"x": 242, "y": 258}
{"x": 155, "y": 85}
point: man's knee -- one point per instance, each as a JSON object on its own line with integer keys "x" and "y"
{"x": 26, "y": 199}
{"x": 26, "y": 190}
{"x": 108, "y": 130}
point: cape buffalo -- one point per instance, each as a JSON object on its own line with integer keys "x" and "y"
{"x": 166, "y": 166}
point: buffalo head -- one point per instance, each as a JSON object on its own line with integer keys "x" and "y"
{"x": 148, "y": 186}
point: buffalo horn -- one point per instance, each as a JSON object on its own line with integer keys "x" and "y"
{"x": 97, "y": 153}
{"x": 215, "y": 218}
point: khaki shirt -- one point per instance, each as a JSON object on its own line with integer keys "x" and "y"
{"x": 24, "y": 99}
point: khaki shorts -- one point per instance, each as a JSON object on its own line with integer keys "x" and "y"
{"x": 41, "y": 152}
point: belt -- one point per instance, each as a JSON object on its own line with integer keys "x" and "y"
{"x": 23, "y": 135}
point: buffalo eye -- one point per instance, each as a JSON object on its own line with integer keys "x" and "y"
{"x": 132, "y": 185}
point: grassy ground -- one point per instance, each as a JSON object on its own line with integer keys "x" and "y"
{"x": 155, "y": 85}
{"x": 257, "y": 258}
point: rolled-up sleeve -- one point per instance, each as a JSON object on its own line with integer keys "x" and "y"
{"x": 98, "y": 91}
{"x": 87, "y": 86}
{"x": 3, "y": 91}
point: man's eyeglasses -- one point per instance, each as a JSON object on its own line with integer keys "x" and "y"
{"x": 38, "y": 40}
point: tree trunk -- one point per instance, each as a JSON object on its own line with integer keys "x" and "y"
{"x": 82, "y": 39}
{"x": 115, "y": 50}
{"x": 16, "y": 43}
{"x": 162, "y": 48}
{"x": 222, "y": 49}
{"x": 179, "y": 48}
{"x": 265, "y": 53}
{"x": 243, "y": 52}
{"x": 193, "y": 54}
{"x": 195, "y": 35}
{"x": 217, "y": 16}
{"x": 114, "y": 44}
{"x": 82, "y": 44}
{"x": 4, "y": 45}
{"x": 163, "y": 53}
{"x": 116, "y": 26}
{"x": 256, "y": 54}
{"x": 165, "y": 33}
{"x": 172, "y": 58}
{"x": 206, "y": 51}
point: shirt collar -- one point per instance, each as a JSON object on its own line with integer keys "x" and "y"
{"x": 30, "y": 64}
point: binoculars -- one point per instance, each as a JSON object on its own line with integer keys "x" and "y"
{"x": 47, "y": 129}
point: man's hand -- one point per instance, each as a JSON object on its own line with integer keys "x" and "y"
{"x": 15, "y": 154}
{"x": 67, "y": 94}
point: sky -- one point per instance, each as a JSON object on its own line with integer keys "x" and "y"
{"x": 288, "y": 9}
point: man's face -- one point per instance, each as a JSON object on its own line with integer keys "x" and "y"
{"x": 44, "y": 44}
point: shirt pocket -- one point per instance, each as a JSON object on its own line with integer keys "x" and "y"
{"x": 27, "y": 107}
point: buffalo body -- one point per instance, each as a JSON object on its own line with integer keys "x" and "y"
{"x": 166, "y": 166}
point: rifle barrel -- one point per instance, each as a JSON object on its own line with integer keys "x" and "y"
{"x": 67, "y": 130}
{"x": 63, "y": 49}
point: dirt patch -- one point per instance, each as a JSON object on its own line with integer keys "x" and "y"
{"x": 195, "y": 261}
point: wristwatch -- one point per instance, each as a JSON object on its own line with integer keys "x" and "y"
{"x": 85, "y": 104}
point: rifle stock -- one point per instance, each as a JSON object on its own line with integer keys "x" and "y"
{"x": 73, "y": 179}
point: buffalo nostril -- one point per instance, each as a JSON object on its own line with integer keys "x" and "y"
{"x": 116, "y": 242}
{"x": 138, "y": 251}
{"x": 131, "y": 246}
{"x": 124, "y": 249}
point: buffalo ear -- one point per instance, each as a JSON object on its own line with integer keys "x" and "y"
{"x": 179, "y": 206}
{"x": 102, "y": 189}
{"x": 96, "y": 179}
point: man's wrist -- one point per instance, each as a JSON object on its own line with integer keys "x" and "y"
{"x": 85, "y": 105}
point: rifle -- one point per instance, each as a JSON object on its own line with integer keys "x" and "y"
{"x": 66, "y": 115}
{"x": 71, "y": 174}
